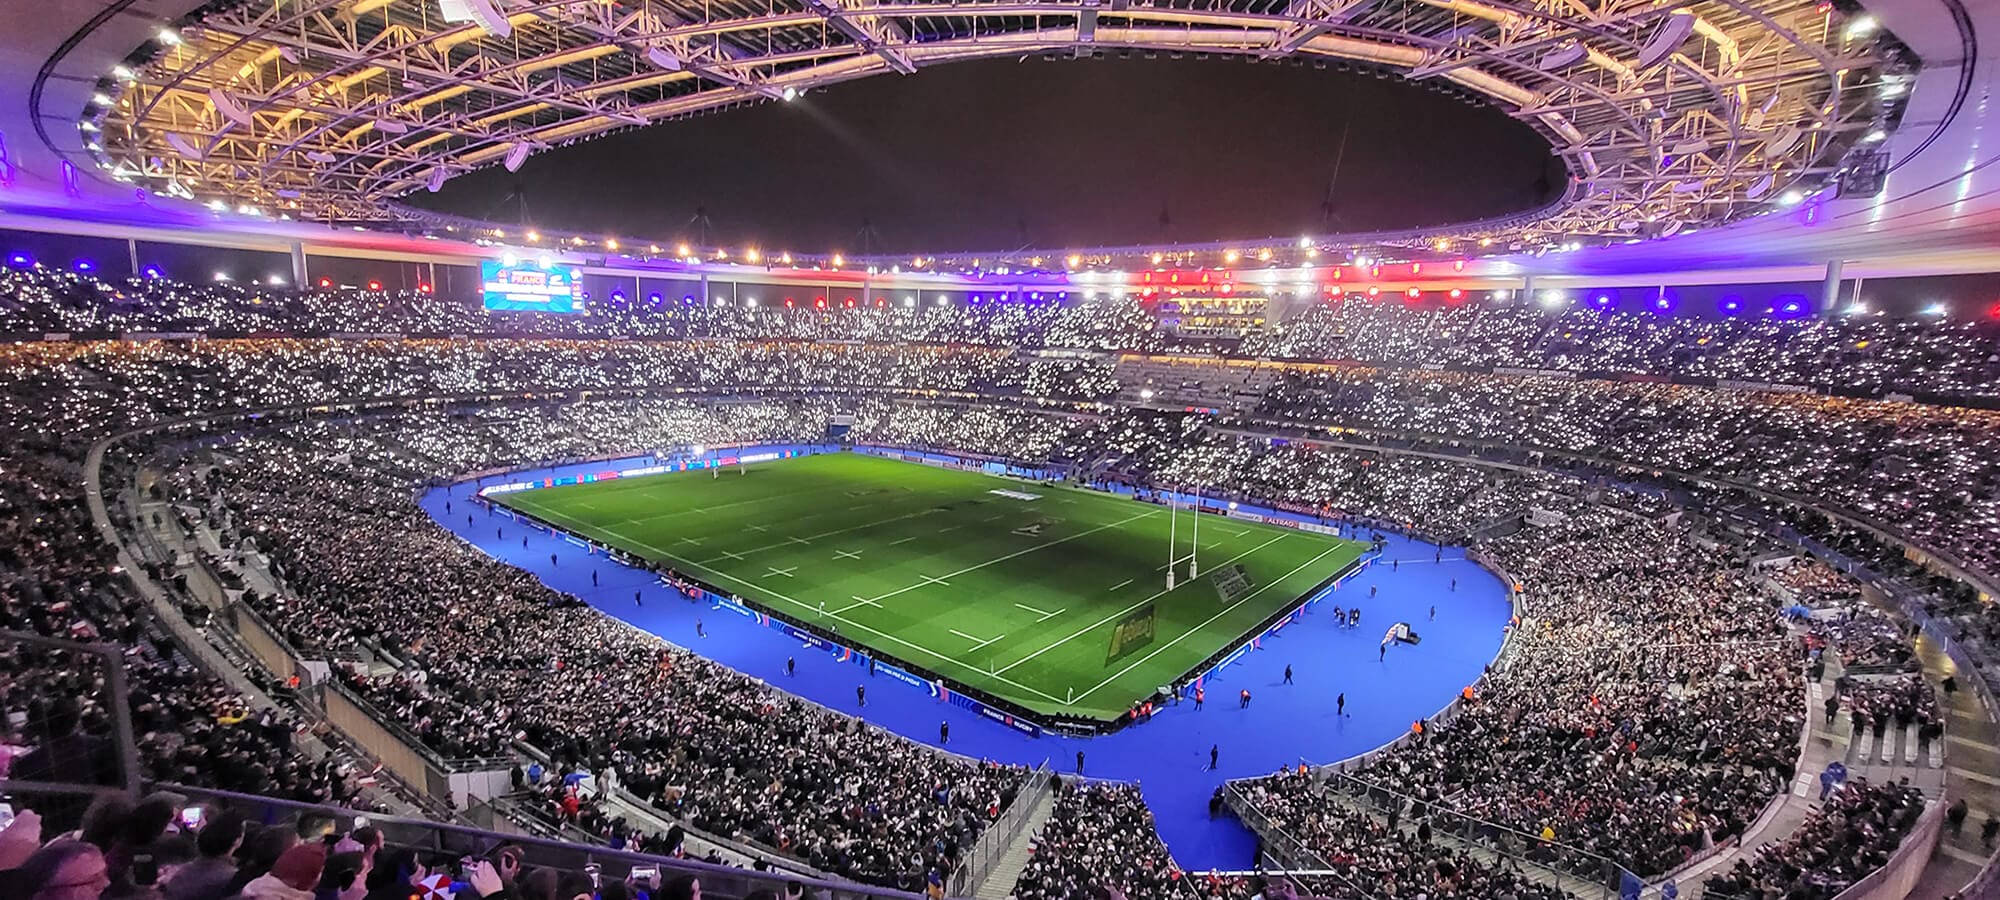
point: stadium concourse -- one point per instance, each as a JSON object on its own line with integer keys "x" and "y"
{"x": 1649, "y": 713}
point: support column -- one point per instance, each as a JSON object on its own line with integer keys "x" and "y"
{"x": 1528, "y": 287}
{"x": 299, "y": 273}
{"x": 132, "y": 255}
{"x": 1830, "y": 293}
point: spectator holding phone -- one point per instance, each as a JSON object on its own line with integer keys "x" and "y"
{"x": 208, "y": 877}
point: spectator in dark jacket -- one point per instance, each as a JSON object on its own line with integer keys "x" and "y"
{"x": 208, "y": 877}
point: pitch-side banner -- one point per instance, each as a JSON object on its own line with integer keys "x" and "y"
{"x": 1281, "y": 521}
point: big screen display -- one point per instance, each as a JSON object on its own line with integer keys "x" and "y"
{"x": 551, "y": 289}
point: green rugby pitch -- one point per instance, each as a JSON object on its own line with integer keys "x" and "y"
{"x": 1014, "y": 597}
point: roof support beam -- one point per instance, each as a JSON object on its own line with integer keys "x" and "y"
{"x": 878, "y": 36}
{"x": 1316, "y": 17}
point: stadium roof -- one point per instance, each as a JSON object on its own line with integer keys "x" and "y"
{"x": 1716, "y": 134}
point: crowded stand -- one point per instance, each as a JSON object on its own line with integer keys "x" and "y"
{"x": 1902, "y": 701}
{"x": 1649, "y": 709}
{"x": 1099, "y": 836}
{"x": 1839, "y": 844}
{"x": 1865, "y": 639}
{"x": 1866, "y": 355}
{"x": 1379, "y": 857}
{"x": 1649, "y": 705}
{"x": 1811, "y": 583}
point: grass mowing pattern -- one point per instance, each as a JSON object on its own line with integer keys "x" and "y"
{"x": 1013, "y": 597}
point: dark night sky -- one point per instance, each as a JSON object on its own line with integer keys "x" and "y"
{"x": 1005, "y": 154}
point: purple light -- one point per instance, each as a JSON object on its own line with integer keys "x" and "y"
{"x": 21, "y": 261}
{"x": 153, "y": 272}
{"x": 1791, "y": 308}
{"x": 1732, "y": 304}
{"x": 653, "y": 298}
{"x": 84, "y": 265}
{"x": 687, "y": 299}
{"x": 1602, "y": 301}
{"x": 975, "y": 299}
{"x": 618, "y": 296}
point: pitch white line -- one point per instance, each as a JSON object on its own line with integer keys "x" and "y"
{"x": 1080, "y": 632}
{"x": 1121, "y": 585}
{"x": 787, "y": 572}
{"x": 867, "y": 602}
{"x": 905, "y": 540}
{"x": 1039, "y": 612}
{"x": 973, "y": 568}
{"x": 979, "y": 644}
{"x": 811, "y": 608}
{"x": 846, "y": 554}
{"x": 931, "y": 580}
{"x": 1211, "y": 620}
{"x": 737, "y": 556}
{"x": 824, "y": 534}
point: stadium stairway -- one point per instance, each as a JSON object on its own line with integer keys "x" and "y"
{"x": 1896, "y": 756}
{"x": 999, "y": 881}
{"x": 1972, "y": 771}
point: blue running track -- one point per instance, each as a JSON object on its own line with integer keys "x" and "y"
{"x": 1283, "y": 726}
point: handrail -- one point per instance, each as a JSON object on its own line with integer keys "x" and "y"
{"x": 1531, "y": 456}
{"x": 1000, "y": 835}
{"x": 449, "y": 840}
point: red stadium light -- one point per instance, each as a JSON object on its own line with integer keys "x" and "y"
{"x": 1374, "y": 291}
{"x": 1458, "y": 265}
{"x": 788, "y": 303}
{"x": 1375, "y": 271}
{"x": 1229, "y": 289}
{"x": 879, "y": 302}
{"x": 1456, "y": 294}
{"x": 1413, "y": 293}
{"x": 326, "y": 282}
{"x": 374, "y": 285}
{"x": 423, "y": 288}
{"x": 1416, "y": 268}
{"x": 819, "y": 302}
{"x": 850, "y": 303}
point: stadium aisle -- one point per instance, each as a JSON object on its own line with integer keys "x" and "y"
{"x": 1284, "y": 725}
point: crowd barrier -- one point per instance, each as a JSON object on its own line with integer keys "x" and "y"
{"x": 1528, "y": 457}
{"x": 445, "y": 846}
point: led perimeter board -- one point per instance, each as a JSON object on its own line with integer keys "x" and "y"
{"x": 527, "y": 286}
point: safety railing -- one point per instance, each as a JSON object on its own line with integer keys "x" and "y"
{"x": 446, "y": 847}
{"x": 976, "y": 862}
